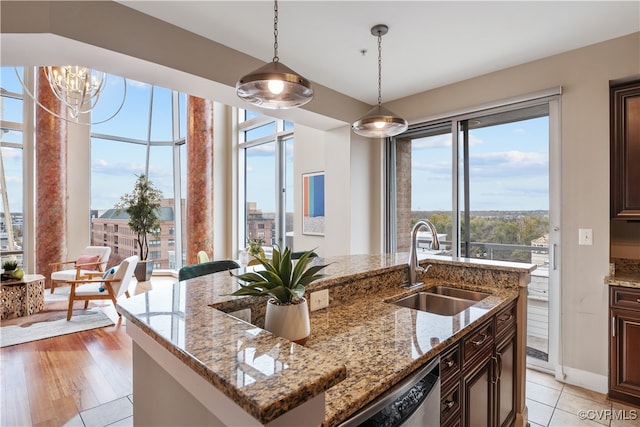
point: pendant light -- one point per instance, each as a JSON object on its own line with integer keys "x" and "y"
{"x": 379, "y": 122}
{"x": 275, "y": 85}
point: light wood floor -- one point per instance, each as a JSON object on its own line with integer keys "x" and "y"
{"x": 48, "y": 382}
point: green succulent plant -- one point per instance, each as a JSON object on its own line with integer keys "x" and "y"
{"x": 280, "y": 279}
{"x": 10, "y": 264}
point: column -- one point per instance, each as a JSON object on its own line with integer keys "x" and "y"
{"x": 199, "y": 220}
{"x": 51, "y": 183}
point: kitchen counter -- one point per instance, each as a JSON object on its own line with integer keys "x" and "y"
{"x": 359, "y": 346}
{"x": 629, "y": 280}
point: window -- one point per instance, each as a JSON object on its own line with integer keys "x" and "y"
{"x": 491, "y": 173}
{"x": 12, "y": 162}
{"x": 146, "y": 137}
{"x": 267, "y": 163}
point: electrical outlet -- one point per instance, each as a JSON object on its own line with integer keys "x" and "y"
{"x": 319, "y": 299}
{"x": 585, "y": 236}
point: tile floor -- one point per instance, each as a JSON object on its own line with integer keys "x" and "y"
{"x": 550, "y": 402}
{"x": 555, "y": 404}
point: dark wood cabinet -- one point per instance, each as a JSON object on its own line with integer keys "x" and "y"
{"x": 624, "y": 331}
{"x": 625, "y": 150}
{"x": 506, "y": 381}
{"x": 478, "y": 375}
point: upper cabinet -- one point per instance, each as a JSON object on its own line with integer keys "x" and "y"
{"x": 625, "y": 150}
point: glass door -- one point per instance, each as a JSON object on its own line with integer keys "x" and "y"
{"x": 506, "y": 211}
{"x": 489, "y": 181}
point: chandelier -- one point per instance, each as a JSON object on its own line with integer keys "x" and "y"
{"x": 77, "y": 88}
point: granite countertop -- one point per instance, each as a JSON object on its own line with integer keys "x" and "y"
{"x": 628, "y": 279}
{"x": 359, "y": 346}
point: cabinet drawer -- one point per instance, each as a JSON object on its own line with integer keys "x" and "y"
{"x": 450, "y": 365}
{"x": 622, "y": 297}
{"x": 477, "y": 342}
{"x": 505, "y": 319}
{"x": 450, "y": 403}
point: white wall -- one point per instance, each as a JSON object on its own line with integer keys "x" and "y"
{"x": 78, "y": 188}
{"x": 584, "y": 75}
{"x": 353, "y": 175}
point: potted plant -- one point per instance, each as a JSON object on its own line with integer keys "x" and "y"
{"x": 143, "y": 207}
{"x": 254, "y": 248}
{"x": 11, "y": 269}
{"x": 287, "y": 313}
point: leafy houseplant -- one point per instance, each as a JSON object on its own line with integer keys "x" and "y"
{"x": 11, "y": 268}
{"x": 287, "y": 314}
{"x": 143, "y": 207}
{"x": 9, "y": 265}
{"x": 254, "y": 247}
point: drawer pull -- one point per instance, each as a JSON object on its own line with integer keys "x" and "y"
{"x": 638, "y": 300}
{"x": 449, "y": 404}
{"x": 481, "y": 340}
{"x": 505, "y": 317}
{"x": 449, "y": 363}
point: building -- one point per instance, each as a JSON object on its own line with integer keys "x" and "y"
{"x": 111, "y": 229}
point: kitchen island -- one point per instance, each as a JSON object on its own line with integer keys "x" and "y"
{"x": 198, "y": 364}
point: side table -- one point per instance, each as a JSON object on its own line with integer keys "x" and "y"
{"x": 22, "y": 297}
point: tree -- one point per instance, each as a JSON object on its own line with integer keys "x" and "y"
{"x": 143, "y": 207}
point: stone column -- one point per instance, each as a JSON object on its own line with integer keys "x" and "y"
{"x": 51, "y": 181}
{"x": 403, "y": 194}
{"x": 199, "y": 220}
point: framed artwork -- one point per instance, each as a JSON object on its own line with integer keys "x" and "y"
{"x": 313, "y": 203}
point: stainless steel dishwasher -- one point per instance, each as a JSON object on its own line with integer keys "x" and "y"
{"x": 414, "y": 402}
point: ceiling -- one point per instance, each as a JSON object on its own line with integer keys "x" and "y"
{"x": 429, "y": 44}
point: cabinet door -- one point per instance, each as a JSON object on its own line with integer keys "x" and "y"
{"x": 625, "y": 348}
{"x": 625, "y": 151}
{"x": 506, "y": 381}
{"x": 478, "y": 399}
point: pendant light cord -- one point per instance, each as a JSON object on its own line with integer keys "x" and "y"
{"x": 275, "y": 31}
{"x": 379, "y": 68}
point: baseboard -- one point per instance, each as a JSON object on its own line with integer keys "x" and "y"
{"x": 584, "y": 379}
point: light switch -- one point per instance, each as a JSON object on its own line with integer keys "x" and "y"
{"x": 585, "y": 236}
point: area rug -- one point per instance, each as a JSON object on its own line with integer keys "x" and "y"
{"x": 52, "y": 321}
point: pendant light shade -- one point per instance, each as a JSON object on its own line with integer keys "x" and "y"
{"x": 379, "y": 122}
{"x": 274, "y": 85}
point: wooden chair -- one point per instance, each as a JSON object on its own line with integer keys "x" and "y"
{"x": 196, "y": 270}
{"x": 92, "y": 260}
{"x": 110, "y": 286}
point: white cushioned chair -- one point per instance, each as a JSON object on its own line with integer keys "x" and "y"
{"x": 111, "y": 285}
{"x": 87, "y": 263}
{"x": 202, "y": 257}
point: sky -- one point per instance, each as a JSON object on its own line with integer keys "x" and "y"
{"x": 509, "y": 163}
{"x": 509, "y": 168}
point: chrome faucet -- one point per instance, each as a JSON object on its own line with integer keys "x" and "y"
{"x": 414, "y": 268}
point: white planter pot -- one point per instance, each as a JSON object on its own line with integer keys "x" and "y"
{"x": 288, "y": 321}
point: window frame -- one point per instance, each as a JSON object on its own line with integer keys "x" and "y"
{"x": 284, "y": 132}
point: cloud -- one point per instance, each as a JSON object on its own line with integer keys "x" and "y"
{"x": 508, "y": 163}
{"x": 438, "y": 141}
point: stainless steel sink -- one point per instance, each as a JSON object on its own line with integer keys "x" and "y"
{"x": 441, "y": 300}
{"x": 458, "y": 293}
